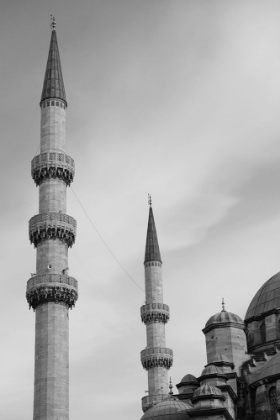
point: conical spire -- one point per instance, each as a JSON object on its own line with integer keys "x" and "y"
{"x": 53, "y": 83}
{"x": 152, "y": 252}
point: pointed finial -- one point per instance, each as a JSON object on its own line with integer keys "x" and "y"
{"x": 53, "y": 22}
{"x": 170, "y": 387}
{"x": 223, "y": 305}
{"x": 150, "y": 200}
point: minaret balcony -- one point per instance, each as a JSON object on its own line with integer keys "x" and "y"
{"x": 155, "y": 312}
{"x": 52, "y": 165}
{"x": 156, "y": 357}
{"x": 52, "y": 226}
{"x": 56, "y": 288}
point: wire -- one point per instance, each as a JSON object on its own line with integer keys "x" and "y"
{"x": 103, "y": 295}
{"x": 37, "y": 150}
{"x": 115, "y": 258}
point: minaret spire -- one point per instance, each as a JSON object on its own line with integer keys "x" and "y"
{"x": 51, "y": 291}
{"x": 53, "y": 86}
{"x": 152, "y": 252}
{"x": 156, "y": 358}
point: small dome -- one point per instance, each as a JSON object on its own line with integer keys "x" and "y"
{"x": 207, "y": 390}
{"x": 169, "y": 409}
{"x": 266, "y": 298}
{"x": 272, "y": 367}
{"x": 211, "y": 370}
{"x": 189, "y": 378}
{"x": 224, "y": 317}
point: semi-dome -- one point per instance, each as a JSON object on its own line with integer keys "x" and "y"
{"x": 266, "y": 299}
{"x": 224, "y": 317}
{"x": 205, "y": 390}
{"x": 271, "y": 368}
{"x": 169, "y": 409}
{"x": 221, "y": 360}
{"x": 211, "y": 370}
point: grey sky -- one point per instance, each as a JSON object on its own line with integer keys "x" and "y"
{"x": 179, "y": 99}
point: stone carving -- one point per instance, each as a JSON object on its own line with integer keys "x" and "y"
{"x": 47, "y": 292}
{"x": 52, "y": 226}
{"x": 51, "y": 278}
{"x": 52, "y": 165}
{"x": 155, "y": 312}
{"x": 157, "y": 357}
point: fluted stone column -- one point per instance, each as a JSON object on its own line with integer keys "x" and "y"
{"x": 51, "y": 291}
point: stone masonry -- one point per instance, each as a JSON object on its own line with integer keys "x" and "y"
{"x": 156, "y": 358}
{"x": 51, "y": 292}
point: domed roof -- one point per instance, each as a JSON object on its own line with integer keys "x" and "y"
{"x": 211, "y": 370}
{"x": 266, "y": 298}
{"x": 272, "y": 367}
{"x": 169, "y": 409}
{"x": 224, "y": 317}
{"x": 189, "y": 378}
{"x": 206, "y": 389}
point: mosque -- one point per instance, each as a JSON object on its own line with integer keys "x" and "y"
{"x": 241, "y": 377}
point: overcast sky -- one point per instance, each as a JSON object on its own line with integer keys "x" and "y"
{"x": 176, "y": 98}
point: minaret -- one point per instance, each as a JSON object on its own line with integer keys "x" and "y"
{"x": 156, "y": 358}
{"x": 50, "y": 291}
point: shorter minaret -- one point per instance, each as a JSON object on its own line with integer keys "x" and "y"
{"x": 156, "y": 358}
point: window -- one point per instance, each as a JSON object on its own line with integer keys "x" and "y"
{"x": 263, "y": 333}
{"x": 273, "y": 402}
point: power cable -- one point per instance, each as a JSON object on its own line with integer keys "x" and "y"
{"x": 115, "y": 258}
{"x": 104, "y": 297}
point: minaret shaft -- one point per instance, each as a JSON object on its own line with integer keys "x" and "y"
{"x": 51, "y": 292}
{"x": 51, "y": 388}
{"x": 53, "y": 130}
{"x": 156, "y": 357}
{"x": 51, "y": 383}
{"x": 155, "y": 331}
{"x": 153, "y": 283}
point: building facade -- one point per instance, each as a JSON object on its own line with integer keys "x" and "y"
{"x": 51, "y": 291}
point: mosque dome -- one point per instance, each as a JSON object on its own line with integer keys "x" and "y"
{"x": 266, "y": 299}
{"x": 189, "y": 379}
{"x": 224, "y": 317}
{"x": 169, "y": 409}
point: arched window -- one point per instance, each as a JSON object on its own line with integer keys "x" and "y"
{"x": 273, "y": 402}
{"x": 263, "y": 333}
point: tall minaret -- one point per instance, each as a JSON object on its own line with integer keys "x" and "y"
{"x": 50, "y": 291}
{"x": 156, "y": 358}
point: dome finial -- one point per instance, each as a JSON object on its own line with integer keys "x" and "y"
{"x": 170, "y": 387}
{"x": 53, "y": 22}
{"x": 150, "y": 200}
{"x": 223, "y": 305}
